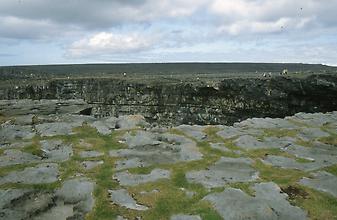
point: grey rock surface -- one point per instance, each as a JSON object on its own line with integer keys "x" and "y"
{"x": 318, "y": 156}
{"x": 127, "y": 122}
{"x": 266, "y": 123}
{"x": 9, "y": 133}
{"x": 127, "y": 179}
{"x": 121, "y": 197}
{"x": 194, "y": 131}
{"x": 309, "y": 134}
{"x": 79, "y": 192}
{"x": 226, "y": 170}
{"x": 220, "y": 146}
{"x": 56, "y": 151}
{"x": 15, "y": 157}
{"x": 56, "y": 128}
{"x": 230, "y": 132}
{"x": 268, "y": 204}
{"x": 165, "y": 149}
{"x": 88, "y": 165}
{"x": 249, "y": 142}
{"x": 42, "y": 173}
{"x": 91, "y": 154}
{"x": 322, "y": 181}
{"x": 185, "y": 217}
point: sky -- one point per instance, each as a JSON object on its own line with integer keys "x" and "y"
{"x": 155, "y": 31}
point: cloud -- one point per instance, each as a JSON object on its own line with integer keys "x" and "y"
{"x": 110, "y": 43}
{"x": 266, "y": 16}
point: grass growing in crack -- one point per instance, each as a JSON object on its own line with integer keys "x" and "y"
{"x": 274, "y": 132}
{"x": 319, "y": 205}
{"x": 282, "y": 177}
{"x": 34, "y": 149}
{"x": 332, "y": 169}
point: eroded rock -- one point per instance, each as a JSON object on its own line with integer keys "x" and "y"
{"x": 224, "y": 171}
{"x": 322, "y": 181}
{"x": 268, "y": 204}
{"x": 121, "y": 197}
{"x": 127, "y": 179}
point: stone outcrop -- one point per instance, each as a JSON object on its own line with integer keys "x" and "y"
{"x": 223, "y": 102}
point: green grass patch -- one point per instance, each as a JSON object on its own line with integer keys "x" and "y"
{"x": 280, "y": 176}
{"x": 34, "y": 149}
{"x": 274, "y": 132}
{"x": 245, "y": 187}
{"x": 318, "y": 204}
{"x": 332, "y": 169}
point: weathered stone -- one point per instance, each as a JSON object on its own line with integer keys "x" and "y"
{"x": 130, "y": 163}
{"x": 121, "y": 197}
{"x": 9, "y": 133}
{"x": 14, "y": 157}
{"x": 309, "y": 134}
{"x": 268, "y": 204}
{"x": 23, "y": 203}
{"x": 226, "y": 170}
{"x": 193, "y": 131}
{"x": 56, "y": 128}
{"x": 167, "y": 149}
{"x": 88, "y": 165}
{"x": 56, "y": 151}
{"x": 220, "y": 146}
{"x": 43, "y": 173}
{"x": 185, "y": 217}
{"x": 322, "y": 181}
{"x": 91, "y": 154}
{"x": 130, "y": 122}
{"x": 229, "y": 132}
{"x": 251, "y": 143}
{"x": 79, "y": 192}
{"x": 318, "y": 157}
{"x": 61, "y": 211}
{"x": 266, "y": 123}
{"x": 127, "y": 179}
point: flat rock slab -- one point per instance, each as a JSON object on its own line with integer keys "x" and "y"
{"x": 194, "y": 131}
{"x": 309, "y": 134}
{"x": 220, "y": 146}
{"x": 23, "y": 203}
{"x": 128, "y": 122}
{"x": 266, "y": 123}
{"x": 318, "y": 156}
{"x": 156, "y": 149}
{"x": 322, "y": 181}
{"x": 42, "y": 173}
{"x": 56, "y": 128}
{"x": 9, "y": 133}
{"x": 122, "y": 198}
{"x": 91, "y": 154}
{"x": 104, "y": 127}
{"x": 72, "y": 201}
{"x": 127, "y": 179}
{"x": 79, "y": 192}
{"x": 61, "y": 211}
{"x": 249, "y": 142}
{"x": 288, "y": 163}
{"x": 56, "y": 151}
{"x": 226, "y": 170}
{"x": 315, "y": 119}
{"x": 268, "y": 204}
{"x": 185, "y": 217}
{"x": 15, "y": 157}
{"x": 88, "y": 165}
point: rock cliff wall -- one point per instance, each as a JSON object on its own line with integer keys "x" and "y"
{"x": 228, "y": 101}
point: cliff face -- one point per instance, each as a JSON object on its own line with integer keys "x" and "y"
{"x": 226, "y": 102}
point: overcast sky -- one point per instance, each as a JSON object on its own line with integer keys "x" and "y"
{"x": 98, "y": 31}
